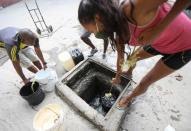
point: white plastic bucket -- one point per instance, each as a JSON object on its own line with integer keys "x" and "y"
{"x": 47, "y": 78}
{"x": 50, "y": 86}
{"x": 49, "y": 118}
{"x": 42, "y": 76}
{"x": 70, "y": 58}
{"x": 169, "y": 128}
{"x": 66, "y": 59}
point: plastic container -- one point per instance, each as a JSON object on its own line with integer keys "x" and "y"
{"x": 50, "y": 86}
{"x": 47, "y": 79}
{"x": 49, "y": 118}
{"x": 169, "y": 128}
{"x": 42, "y": 76}
{"x": 33, "y": 96}
{"x": 71, "y": 58}
{"x": 77, "y": 56}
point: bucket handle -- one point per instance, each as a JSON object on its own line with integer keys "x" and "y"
{"x": 58, "y": 116}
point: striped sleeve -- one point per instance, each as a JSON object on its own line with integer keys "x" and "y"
{"x": 13, "y": 52}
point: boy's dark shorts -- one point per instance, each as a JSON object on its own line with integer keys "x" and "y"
{"x": 174, "y": 61}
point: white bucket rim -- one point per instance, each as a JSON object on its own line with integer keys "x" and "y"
{"x": 42, "y": 76}
{"x": 40, "y": 112}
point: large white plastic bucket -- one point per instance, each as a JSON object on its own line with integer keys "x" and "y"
{"x": 70, "y": 58}
{"x": 66, "y": 59}
{"x": 49, "y": 118}
{"x": 42, "y": 76}
{"x": 47, "y": 78}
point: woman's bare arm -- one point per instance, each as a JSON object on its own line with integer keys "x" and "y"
{"x": 120, "y": 58}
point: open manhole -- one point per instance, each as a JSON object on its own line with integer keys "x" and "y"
{"x": 91, "y": 82}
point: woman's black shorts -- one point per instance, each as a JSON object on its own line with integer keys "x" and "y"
{"x": 174, "y": 61}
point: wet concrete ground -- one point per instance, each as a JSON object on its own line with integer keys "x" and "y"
{"x": 168, "y": 101}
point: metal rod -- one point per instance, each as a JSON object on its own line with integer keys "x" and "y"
{"x": 39, "y": 19}
{"x": 40, "y": 14}
{"x": 30, "y": 14}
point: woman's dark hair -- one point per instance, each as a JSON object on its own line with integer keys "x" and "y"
{"x": 112, "y": 17}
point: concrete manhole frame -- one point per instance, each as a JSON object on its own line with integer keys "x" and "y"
{"x": 112, "y": 120}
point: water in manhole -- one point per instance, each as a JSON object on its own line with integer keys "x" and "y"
{"x": 92, "y": 83}
{"x": 102, "y": 103}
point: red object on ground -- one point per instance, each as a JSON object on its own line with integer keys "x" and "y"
{"x": 5, "y": 3}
